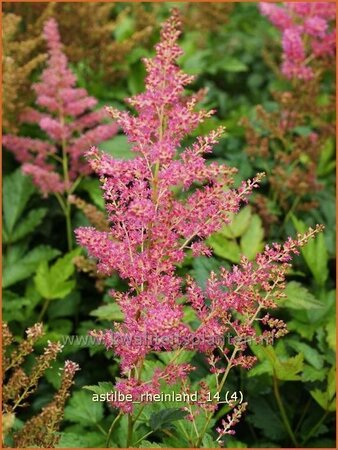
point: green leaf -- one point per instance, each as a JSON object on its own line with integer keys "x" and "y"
{"x": 103, "y": 387}
{"x": 314, "y": 253}
{"x": 232, "y": 442}
{"x": 209, "y": 442}
{"x": 324, "y": 399}
{"x": 183, "y": 357}
{"x": 310, "y": 374}
{"x": 252, "y": 239}
{"x": 326, "y": 159}
{"x": 124, "y": 28}
{"x": 265, "y": 417}
{"x": 53, "y": 374}
{"x": 147, "y": 444}
{"x": 20, "y": 267}
{"x": 304, "y": 329}
{"x": 302, "y": 130}
{"x": 93, "y": 188}
{"x": 299, "y": 298}
{"x": 15, "y": 307}
{"x": 53, "y": 283}
{"x": 227, "y": 64}
{"x": 164, "y": 419}
{"x": 202, "y": 266}
{"x": 311, "y": 355}
{"x": 28, "y": 224}
{"x": 111, "y": 312}
{"x": 17, "y": 190}
{"x": 230, "y": 64}
{"x": 118, "y": 147}
{"x": 193, "y": 63}
{"x": 224, "y": 247}
{"x": 136, "y": 78}
{"x": 83, "y": 410}
{"x": 330, "y": 328}
{"x": 287, "y": 369}
{"x": 238, "y": 225}
{"x": 84, "y": 440}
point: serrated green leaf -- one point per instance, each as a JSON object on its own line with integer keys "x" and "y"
{"x": 238, "y": 225}
{"x": 252, "y": 239}
{"x": 314, "y": 253}
{"x": 224, "y": 247}
{"x": 209, "y": 442}
{"x": 147, "y": 444}
{"x": 111, "y": 312}
{"x": 202, "y": 266}
{"x": 330, "y": 328}
{"x": 83, "y": 410}
{"x": 52, "y": 282}
{"x": 17, "y": 190}
{"x": 164, "y": 419}
{"x": 15, "y": 307}
{"x": 103, "y": 387}
{"x": 265, "y": 418}
{"x": 304, "y": 329}
{"x": 310, "y": 374}
{"x": 311, "y": 355}
{"x": 28, "y": 224}
{"x": 323, "y": 399}
{"x": 287, "y": 369}
{"x": 299, "y": 298}
{"x": 15, "y": 270}
{"x": 84, "y": 440}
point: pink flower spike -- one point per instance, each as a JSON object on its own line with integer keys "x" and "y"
{"x": 67, "y": 119}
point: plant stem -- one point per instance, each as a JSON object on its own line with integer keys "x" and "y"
{"x": 303, "y": 414}
{"x": 44, "y": 309}
{"x": 117, "y": 418}
{"x": 130, "y": 430}
{"x": 98, "y": 426}
{"x": 282, "y": 411}
{"x": 67, "y": 205}
{"x": 143, "y": 437}
{"x": 69, "y": 226}
{"x": 291, "y": 211}
{"x": 225, "y": 375}
{"x": 185, "y": 433}
{"x": 315, "y": 428}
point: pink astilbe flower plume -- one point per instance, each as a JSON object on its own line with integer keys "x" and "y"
{"x": 66, "y": 116}
{"x": 309, "y": 35}
{"x": 162, "y": 204}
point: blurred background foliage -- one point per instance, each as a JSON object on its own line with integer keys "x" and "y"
{"x": 235, "y": 53}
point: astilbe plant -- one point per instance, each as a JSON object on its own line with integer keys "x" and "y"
{"x": 161, "y": 206}
{"x": 20, "y": 58}
{"x": 97, "y": 50}
{"x": 292, "y": 158}
{"x": 19, "y": 384}
{"x": 309, "y": 34}
{"x": 56, "y": 164}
